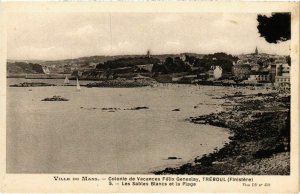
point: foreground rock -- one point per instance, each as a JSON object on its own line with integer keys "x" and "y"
{"x": 260, "y": 144}
{"x": 55, "y": 98}
{"x": 33, "y": 84}
{"x": 174, "y": 158}
{"x": 137, "y": 108}
{"x": 110, "y": 109}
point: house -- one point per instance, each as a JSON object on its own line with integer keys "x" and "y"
{"x": 46, "y": 70}
{"x": 258, "y": 77}
{"x": 92, "y": 65}
{"x": 282, "y": 77}
{"x": 215, "y": 72}
{"x": 146, "y": 67}
{"x": 241, "y": 71}
{"x": 282, "y": 80}
{"x": 182, "y": 57}
{"x": 264, "y": 76}
{"x": 255, "y": 67}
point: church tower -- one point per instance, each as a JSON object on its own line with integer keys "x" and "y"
{"x": 148, "y": 54}
{"x": 256, "y": 51}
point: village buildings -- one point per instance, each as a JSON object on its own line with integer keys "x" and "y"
{"x": 259, "y": 77}
{"x": 282, "y": 77}
{"x": 254, "y": 68}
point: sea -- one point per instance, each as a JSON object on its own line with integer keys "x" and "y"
{"x": 82, "y": 136}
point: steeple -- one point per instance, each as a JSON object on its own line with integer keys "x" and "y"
{"x": 256, "y": 51}
{"x": 148, "y": 54}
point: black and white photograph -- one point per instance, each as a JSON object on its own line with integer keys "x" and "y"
{"x": 133, "y": 99}
{"x": 148, "y": 93}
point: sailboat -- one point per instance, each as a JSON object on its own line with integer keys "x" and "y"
{"x": 66, "y": 80}
{"x": 78, "y": 86}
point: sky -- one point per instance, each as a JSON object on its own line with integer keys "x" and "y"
{"x": 54, "y": 36}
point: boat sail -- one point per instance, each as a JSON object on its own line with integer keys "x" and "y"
{"x": 78, "y": 86}
{"x": 66, "y": 80}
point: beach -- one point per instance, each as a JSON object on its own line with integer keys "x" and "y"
{"x": 260, "y": 143}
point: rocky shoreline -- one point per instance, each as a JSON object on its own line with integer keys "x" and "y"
{"x": 260, "y": 144}
{"x": 32, "y": 84}
{"x": 55, "y": 98}
{"x": 121, "y": 83}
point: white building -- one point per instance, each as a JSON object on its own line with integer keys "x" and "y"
{"x": 215, "y": 72}
{"x": 147, "y": 67}
{"x": 46, "y": 70}
{"x": 282, "y": 77}
{"x": 282, "y": 80}
{"x": 183, "y": 57}
{"x": 259, "y": 77}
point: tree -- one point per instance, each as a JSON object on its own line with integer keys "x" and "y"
{"x": 221, "y": 59}
{"x": 190, "y": 59}
{"x": 171, "y": 65}
{"x": 276, "y": 28}
{"x": 288, "y": 60}
{"x": 169, "y": 61}
{"x": 126, "y": 62}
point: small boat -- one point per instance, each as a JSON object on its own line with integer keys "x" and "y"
{"x": 78, "y": 86}
{"x": 67, "y": 81}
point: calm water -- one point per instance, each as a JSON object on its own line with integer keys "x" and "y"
{"x": 77, "y": 136}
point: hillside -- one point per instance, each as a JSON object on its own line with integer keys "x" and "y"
{"x": 127, "y": 62}
{"x": 23, "y": 68}
{"x": 101, "y": 59}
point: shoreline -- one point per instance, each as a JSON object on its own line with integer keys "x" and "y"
{"x": 106, "y": 84}
{"x": 260, "y": 143}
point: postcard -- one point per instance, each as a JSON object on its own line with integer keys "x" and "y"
{"x": 149, "y": 97}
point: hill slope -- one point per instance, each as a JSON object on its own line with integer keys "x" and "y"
{"x": 23, "y": 68}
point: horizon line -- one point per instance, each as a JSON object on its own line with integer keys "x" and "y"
{"x": 140, "y": 55}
